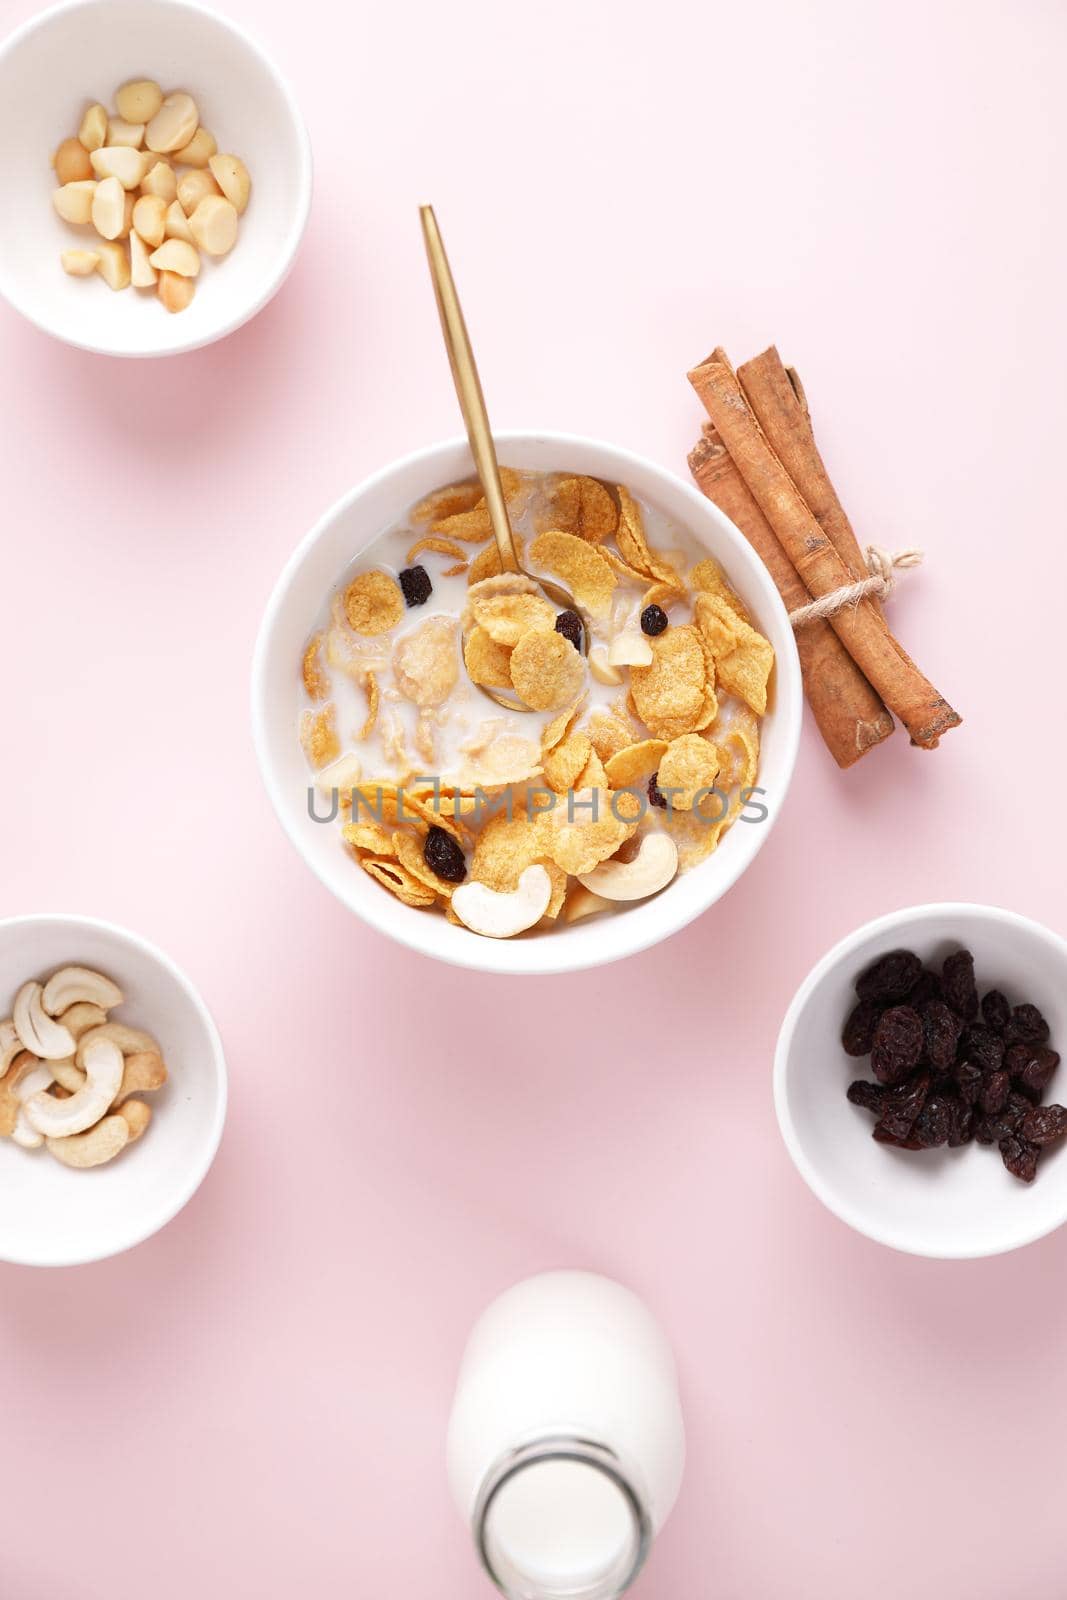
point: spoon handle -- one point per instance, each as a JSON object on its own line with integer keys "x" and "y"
{"x": 468, "y": 389}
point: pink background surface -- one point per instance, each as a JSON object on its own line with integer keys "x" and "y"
{"x": 254, "y": 1402}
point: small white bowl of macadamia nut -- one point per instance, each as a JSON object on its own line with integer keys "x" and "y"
{"x": 159, "y": 171}
{"x": 112, "y": 1090}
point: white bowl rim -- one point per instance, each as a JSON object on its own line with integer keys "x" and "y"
{"x": 296, "y": 233}
{"x": 789, "y": 690}
{"x": 199, "y": 1171}
{"x": 908, "y": 916}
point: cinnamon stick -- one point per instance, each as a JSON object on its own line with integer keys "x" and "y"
{"x": 848, "y": 713}
{"x": 783, "y": 416}
{"x": 862, "y": 628}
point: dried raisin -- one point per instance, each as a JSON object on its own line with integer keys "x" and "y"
{"x": 941, "y": 1032}
{"x": 416, "y": 586}
{"x": 982, "y": 1046}
{"x": 1020, "y": 1158}
{"x": 958, "y": 985}
{"x": 569, "y": 624}
{"x": 653, "y": 620}
{"x": 1031, "y": 1067}
{"x": 902, "y": 1106}
{"x": 871, "y": 1096}
{"x": 443, "y": 856}
{"x": 934, "y": 1123}
{"x": 656, "y": 797}
{"x": 1044, "y": 1125}
{"x": 995, "y": 1091}
{"x": 897, "y": 1045}
{"x": 857, "y": 1036}
{"x": 891, "y": 978}
{"x": 969, "y": 1079}
{"x": 995, "y": 1010}
{"x": 1026, "y": 1025}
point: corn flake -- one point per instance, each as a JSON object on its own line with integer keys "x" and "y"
{"x": 564, "y": 764}
{"x": 584, "y": 507}
{"x": 558, "y": 729}
{"x": 316, "y": 680}
{"x": 439, "y": 547}
{"x": 318, "y": 735}
{"x": 592, "y": 775}
{"x": 669, "y": 696}
{"x": 487, "y": 563}
{"x": 447, "y": 502}
{"x": 579, "y": 566}
{"x": 634, "y": 547}
{"x": 690, "y": 764}
{"x": 546, "y": 669}
{"x": 507, "y": 615}
{"x": 425, "y": 665}
{"x": 506, "y": 846}
{"x": 707, "y": 577}
{"x": 609, "y": 734}
{"x": 398, "y": 881}
{"x": 635, "y": 763}
{"x": 487, "y": 662}
{"x": 370, "y": 837}
{"x": 743, "y": 658}
{"x": 739, "y": 746}
{"x": 373, "y": 603}
{"x": 374, "y": 699}
{"x": 469, "y": 527}
{"x": 578, "y": 841}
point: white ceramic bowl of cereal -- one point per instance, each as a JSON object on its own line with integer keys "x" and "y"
{"x": 52, "y": 1215}
{"x": 278, "y": 698}
{"x": 51, "y": 70}
{"x": 944, "y": 1203}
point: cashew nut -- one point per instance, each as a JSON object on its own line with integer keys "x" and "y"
{"x": 10, "y": 1045}
{"x": 131, "y": 1041}
{"x": 630, "y": 649}
{"x": 81, "y": 1017}
{"x": 651, "y": 869}
{"x": 92, "y": 1149}
{"x": 10, "y": 1102}
{"x": 39, "y": 1032}
{"x": 136, "y": 1115}
{"x": 34, "y": 1081}
{"x": 68, "y": 1074}
{"x": 501, "y": 916}
{"x": 59, "y": 1119}
{"x": 582, "y": 902}
{"x": 143, "y": 1072}
{"x": 72, "y": 985}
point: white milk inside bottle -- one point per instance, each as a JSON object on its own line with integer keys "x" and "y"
{"x": 566, "y": 1443}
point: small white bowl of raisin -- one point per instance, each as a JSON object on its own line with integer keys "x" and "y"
{"x": 917, "y": 1080}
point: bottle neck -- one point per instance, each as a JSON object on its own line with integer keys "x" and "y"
{"x": 561, "y": 1519}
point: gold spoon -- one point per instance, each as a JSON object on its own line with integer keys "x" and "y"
{"x": 476, "y": 418}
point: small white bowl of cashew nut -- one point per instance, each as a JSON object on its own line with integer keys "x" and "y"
{"x": 112, "y": 1090}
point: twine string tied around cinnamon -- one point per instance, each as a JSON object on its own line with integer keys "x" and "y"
{"x": 879, "y": 584}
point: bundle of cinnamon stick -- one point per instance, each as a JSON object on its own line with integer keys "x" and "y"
{"x": 758, "y": 461}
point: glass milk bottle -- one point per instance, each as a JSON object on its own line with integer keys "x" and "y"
{"x": 566, "y": 1443}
